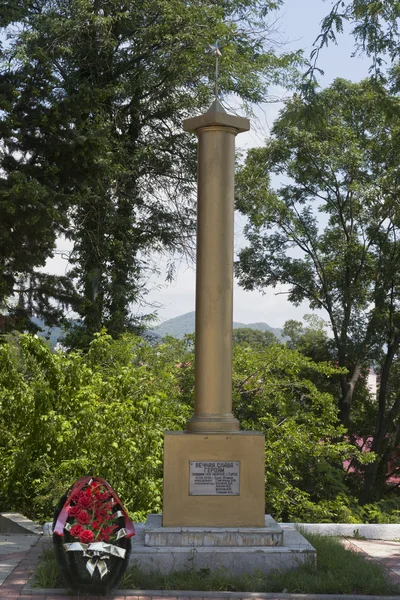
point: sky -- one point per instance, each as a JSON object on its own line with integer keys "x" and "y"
{"x": 299, "y": 24}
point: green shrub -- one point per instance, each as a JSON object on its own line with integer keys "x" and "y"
{"x": 66, "y": 415}
{"x": 274, "y": 392}
{"x": 104, "y": 413}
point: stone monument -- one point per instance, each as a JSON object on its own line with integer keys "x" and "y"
{"x": 213, "y": 472}
{"x": 214, "y": 477}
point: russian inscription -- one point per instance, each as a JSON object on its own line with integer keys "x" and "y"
{"x": 214, "y": 478}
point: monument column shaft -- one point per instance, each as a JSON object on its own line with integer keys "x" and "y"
{"x": 216, "y": 131}
{"x": 194, "y": 494}
{"x": 214, "y": 275}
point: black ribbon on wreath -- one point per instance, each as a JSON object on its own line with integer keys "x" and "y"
{"x": 92, "y": 557}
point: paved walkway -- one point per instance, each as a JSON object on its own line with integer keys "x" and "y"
{"x": 385, "y": 552}
{"x": 19, "y": 555}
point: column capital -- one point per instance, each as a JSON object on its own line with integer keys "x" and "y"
{"x": 216, "y": 116}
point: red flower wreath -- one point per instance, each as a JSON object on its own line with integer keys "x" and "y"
{"x": 92, "y": 513}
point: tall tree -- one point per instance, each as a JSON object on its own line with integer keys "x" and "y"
{"x": 254, "y": 337}
{"x": 310, "y": 339}
{"x": 93, "y": 95}
{"x": 375, "y": 27}
{"x": 331, "y": 231}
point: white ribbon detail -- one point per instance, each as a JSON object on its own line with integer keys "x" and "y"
{"x": 97, "y": 552}
{"x": 121, "y": 533}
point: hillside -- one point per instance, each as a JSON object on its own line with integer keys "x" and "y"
{"x": 176, "y": 327}
{"x": 179, "y": 326}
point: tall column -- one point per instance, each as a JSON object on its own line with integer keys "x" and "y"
{"x": 214, "y": 473}
{"x": 216, "y": 131}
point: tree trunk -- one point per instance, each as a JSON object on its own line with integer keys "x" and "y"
{"x": 347, "y": 387}
{"x": 369, "y": 492}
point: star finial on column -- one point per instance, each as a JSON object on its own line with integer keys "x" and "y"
{"x": 216, "y": 51}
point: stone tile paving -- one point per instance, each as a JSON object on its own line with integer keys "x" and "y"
{"x": 13, "y": 548}
{"x": 19, "y": 573}
{"x": 384, "y": 552}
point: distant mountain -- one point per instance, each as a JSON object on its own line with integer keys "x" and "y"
{"x": 179, "y": 326}
{"x": 176, "y": 327}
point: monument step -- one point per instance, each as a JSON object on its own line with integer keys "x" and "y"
{"x": 232, "y": 559}
{"x": 155, "y": 535}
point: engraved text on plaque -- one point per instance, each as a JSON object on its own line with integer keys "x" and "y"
{"x": 212, "y": 478}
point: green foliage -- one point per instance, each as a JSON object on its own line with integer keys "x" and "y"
{"x": 64, "y": 416}
{"x": 253, "y": 337}
{"x": 274, "y": 393}
{"x": 104, "y": 413}
{"x": 310, "y": 339}
{"x": 93, "y": 95}
{"x": 47, "y": 573}
{"x": 385, "y": 511}
{"x": 331, "y": 234}
{"x": 375, "y": 28}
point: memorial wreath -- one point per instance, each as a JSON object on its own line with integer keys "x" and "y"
{"x": 91, "y": 536}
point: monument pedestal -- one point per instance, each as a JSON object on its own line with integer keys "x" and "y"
{"x": 236, "y": 550}
{"x": 214, "y": 480}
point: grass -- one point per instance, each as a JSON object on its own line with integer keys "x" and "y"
{"x": 339, "y": 571}
{"x": 47, "y": 573}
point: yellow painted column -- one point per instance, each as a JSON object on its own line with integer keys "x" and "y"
{"x": 212, "y": 435}
{"x": 216, "y": 131}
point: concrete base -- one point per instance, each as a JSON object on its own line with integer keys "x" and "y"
{"x": 194, "y": 537}
{"x": 199, "y": 548}
{"x": 16, "y": 523}
{"x": 246, "y": 509}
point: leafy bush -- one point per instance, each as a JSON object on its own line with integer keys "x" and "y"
{"x": 384, "y": 511}
{"x": 305, "y": 447}
{"x": 67, "y": 415}
{"x": 104, "y": 413}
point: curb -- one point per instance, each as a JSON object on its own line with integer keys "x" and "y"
{"x": 15, "y": 523}
{"x": 368, "y": 531}
{"x": 208, "y": 595}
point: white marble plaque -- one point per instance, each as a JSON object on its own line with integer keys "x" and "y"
{"x": 214, "y": 478}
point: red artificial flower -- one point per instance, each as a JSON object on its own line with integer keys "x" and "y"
{"x": 93, "y": 514}
{"x": 84, "y": 518}
{"x": 86, "y": 537}
{"x": 108, "y": 529}
{"x": 101, "y": 514}
{"x": 76, "y": 530}
{"x": 103, "y": 496}
{"x": 85, "y": 501}
{"x": 77, "y": 496}
{"x": 74, "y": 511}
